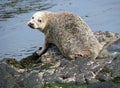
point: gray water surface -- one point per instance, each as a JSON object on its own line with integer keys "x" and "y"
{"x": 17, "y": 40}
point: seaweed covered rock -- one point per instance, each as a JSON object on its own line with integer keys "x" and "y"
{"x": 53, "y": 70}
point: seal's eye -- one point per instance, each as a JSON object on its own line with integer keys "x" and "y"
{"x": 39, "y": 20}
{"x": 32, "y": 17}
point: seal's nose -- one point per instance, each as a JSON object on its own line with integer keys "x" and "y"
{"x": 30, "y": 24}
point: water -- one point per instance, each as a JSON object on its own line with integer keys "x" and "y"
{"x": 17, "y": 40}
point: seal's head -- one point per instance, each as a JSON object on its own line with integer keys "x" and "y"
{"x": 38, "y": 21}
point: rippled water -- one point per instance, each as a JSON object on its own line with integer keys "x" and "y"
{"x": 17, "y": 40}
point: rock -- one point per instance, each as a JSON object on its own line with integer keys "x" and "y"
{"x": 110, "y": 70}
{"x": 104, "y": 37}
{"x": 7, "y": 76}
{"x": 32, "y": 80}
{"x": 104, "y": 85}
{"x": 37, "y": 72}
{"x": 76, "y": 71}
{"x": 114, "y": 67}
{"x": 11, "y": 77}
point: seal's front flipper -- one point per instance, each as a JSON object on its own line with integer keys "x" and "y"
{"x": 43, "y": 50}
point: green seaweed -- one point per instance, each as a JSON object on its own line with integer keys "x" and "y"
{"x": 28, "y": 61}
{"x": 64, "y": 85}
{"x": 106, "y": 70}
{"x": 13, "y": 62}
{"x": 116, "y": 80}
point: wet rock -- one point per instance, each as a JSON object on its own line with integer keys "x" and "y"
{"x": 11, "y": 77}
{"x": 104, "y": 85}
{"x": 7, "y": 75}
{"x": 32, "y": 80}
{"x": 76, "y": 71}
{"x": 104, "y": 37}
{"x": 36, "y": 72}
{"x": 114, "y": 67}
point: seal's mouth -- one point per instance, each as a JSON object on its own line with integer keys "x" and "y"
{"x": 31, "y": 27}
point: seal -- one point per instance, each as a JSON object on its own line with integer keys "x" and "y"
{"x": 68, "y": 32}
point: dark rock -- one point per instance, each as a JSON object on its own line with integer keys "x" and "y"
{"x": 104, "y": 85}
{"x": 11, "y": 77}
{"x": 33, "y": 80}
{"x": 7, "y": 76}
{"x": 114, "y": 47}
{"x": 79, "y": 71}
{"x": 104, "y": 37}
{"x": 114, "y": 67}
